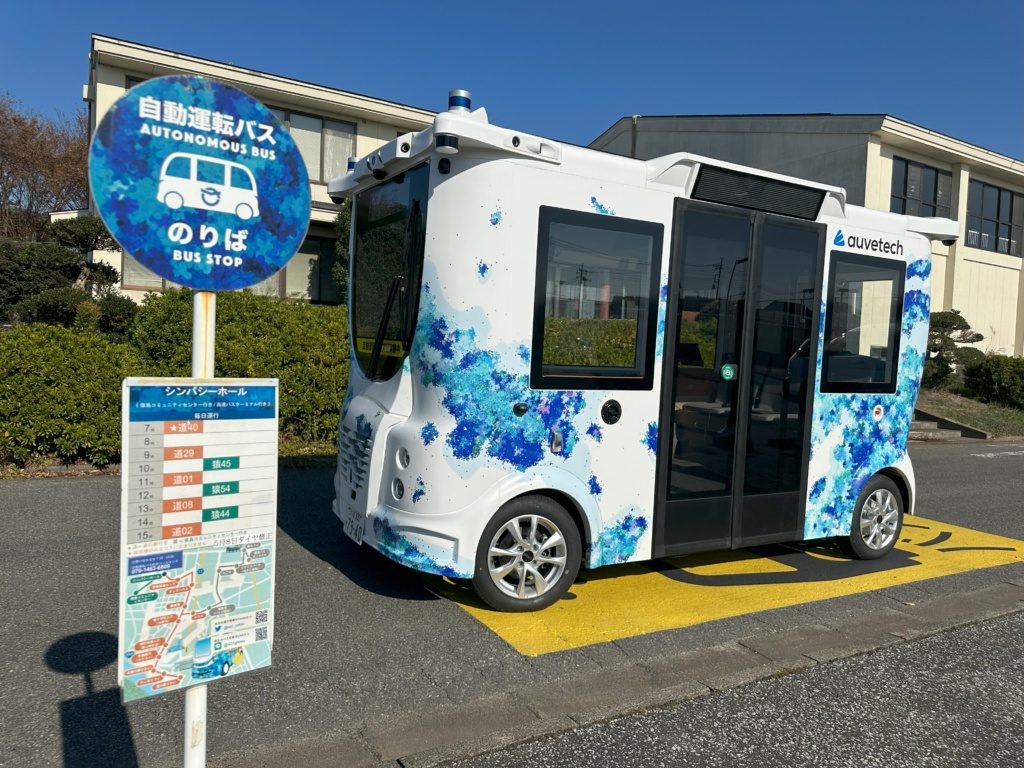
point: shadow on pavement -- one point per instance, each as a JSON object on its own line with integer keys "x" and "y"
{"x": 94, "y": 727}
{"x": 304, "y": 513}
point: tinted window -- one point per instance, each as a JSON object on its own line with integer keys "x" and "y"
{"x": 784, "y": 299}
{"x": 863, "y": 314}
{"x": 597, "y": 287}
{"x": 390, "y": 230}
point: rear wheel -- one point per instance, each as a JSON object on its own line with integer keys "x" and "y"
{"x": 877, "y": 520}
{"x": 528, "y": 556}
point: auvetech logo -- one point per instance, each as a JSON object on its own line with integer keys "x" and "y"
{"x": 894, "y": 247}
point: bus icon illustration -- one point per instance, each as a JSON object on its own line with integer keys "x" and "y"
{"x": 206, "y": 663}
{"x": 209, "y": 184}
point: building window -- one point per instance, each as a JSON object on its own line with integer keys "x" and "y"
{"x": 596, "y": 303}
{"x": 307, "y": 276}
{"x": 325, "y": 144}
{"x": 862, "y": 324}
{"x": 995, "y": 217}
{"x": 919, "y": 190}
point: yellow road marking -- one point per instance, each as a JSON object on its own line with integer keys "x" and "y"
{"x": 635, "y": 599}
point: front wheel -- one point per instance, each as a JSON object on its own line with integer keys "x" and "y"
{"x": 528, "y": 556}
{"x": 877, "y": 520}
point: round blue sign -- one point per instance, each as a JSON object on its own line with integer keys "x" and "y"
{"x": 200, "y": 183}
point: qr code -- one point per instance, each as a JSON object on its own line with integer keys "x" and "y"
{"x": 261, "y": 617}
{"x": 261, "y": 633}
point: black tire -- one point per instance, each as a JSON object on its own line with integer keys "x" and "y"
{"x": 873, "y": 532}
{"x": 224, "y": 667}
{"x": 530, "y": 560}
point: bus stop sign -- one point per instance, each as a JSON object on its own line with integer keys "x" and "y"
{"x": 200, "y": 183}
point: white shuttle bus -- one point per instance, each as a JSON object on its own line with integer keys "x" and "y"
{"x": 564, "y": 358}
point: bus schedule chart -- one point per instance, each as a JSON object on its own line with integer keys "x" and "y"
{"x": 198, "y": 518}
{"x": 200, "y": 459}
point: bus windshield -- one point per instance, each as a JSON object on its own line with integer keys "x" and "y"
{"x": 390, "y": 222}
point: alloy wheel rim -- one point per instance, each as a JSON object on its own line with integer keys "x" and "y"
{"x": 879, "y": 518}
{"x": 527, "y": 557}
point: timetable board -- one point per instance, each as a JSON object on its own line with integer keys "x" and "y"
{"x": 198, "y": 523}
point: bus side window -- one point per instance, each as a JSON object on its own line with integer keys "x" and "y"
{"x": 596, "y": 302}
{"x": 864, "y": 310}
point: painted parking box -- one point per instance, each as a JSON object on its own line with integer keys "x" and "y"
{"x": 683, "y": 592}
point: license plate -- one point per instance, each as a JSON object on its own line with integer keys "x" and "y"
{"x": 352, "y": 524}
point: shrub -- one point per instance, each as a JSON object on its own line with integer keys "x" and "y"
{"x": 60, "y": 394}
{"x": 996, "y": 379}
{"x": 27, "y": 269}
{"x": 116, "y": 315}
{"x": 947, "y": 331}
{"x": 303, "y": 345}
{"x": 56, "y": 306}
{"x": 88, "y": 317}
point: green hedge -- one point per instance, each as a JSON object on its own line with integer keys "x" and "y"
{"x": 60, "y": 387}
{"x": 996, "y": 379}
{"x": 589, "y": 342}
{"x": 304, "y": 345}
{"x": 60, "y": 394}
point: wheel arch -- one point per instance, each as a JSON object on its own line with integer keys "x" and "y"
{"x": 564, "y": 488}
{"x": 903, "y": 484}
{"x": 570, "y": 505}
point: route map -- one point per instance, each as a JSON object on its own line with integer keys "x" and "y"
{"x": 199, "y": 508}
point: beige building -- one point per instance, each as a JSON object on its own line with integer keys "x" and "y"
{"x": 328, "y": 125}
{"x": 890, "y": 165}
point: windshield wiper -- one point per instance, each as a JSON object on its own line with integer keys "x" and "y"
{"x": 378, "y": 342}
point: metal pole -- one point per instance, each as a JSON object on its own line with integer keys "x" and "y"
{"x": 195, "y": 726}
{"x": 204, "y": 320}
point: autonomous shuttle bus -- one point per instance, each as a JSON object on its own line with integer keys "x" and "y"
{"x": 564, "y": 358}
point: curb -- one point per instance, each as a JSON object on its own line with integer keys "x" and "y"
{"x": 493, "y": 722}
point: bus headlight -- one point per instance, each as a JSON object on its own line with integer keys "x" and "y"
{"x": 397, "y": 489}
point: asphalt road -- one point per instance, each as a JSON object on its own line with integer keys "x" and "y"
{"x": 358, "y": 639}
{"x": 955, "y": 699}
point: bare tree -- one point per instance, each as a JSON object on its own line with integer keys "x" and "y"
{"x": 43, "y": 168}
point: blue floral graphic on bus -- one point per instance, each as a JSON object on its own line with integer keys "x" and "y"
{"x": 393, "y": 544}
{"x": 853, "y": 436}
{"x": 428, "y": 433}
{"x": 617, "y": 543}
{"x": 659, "y": 347}
{"x": 477, "y": 391}
{"x": 651, "y": 438}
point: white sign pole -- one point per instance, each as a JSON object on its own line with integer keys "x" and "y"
{"x": 204, "y": 322}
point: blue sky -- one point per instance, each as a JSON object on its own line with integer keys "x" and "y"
{"x": 568, "y": 70}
